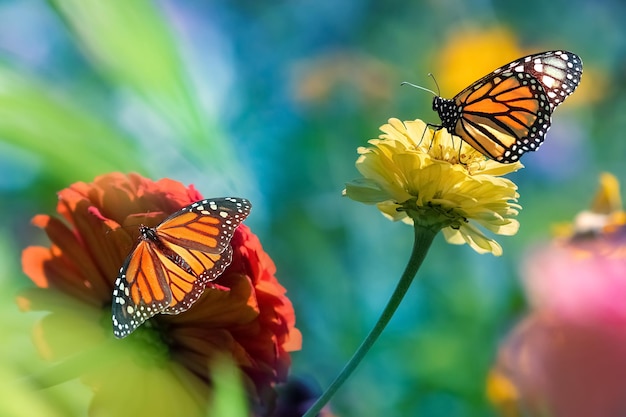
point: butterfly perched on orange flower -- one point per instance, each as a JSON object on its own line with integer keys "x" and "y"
{"x": 508, "y": 112}
{"x": 172, "y": 263}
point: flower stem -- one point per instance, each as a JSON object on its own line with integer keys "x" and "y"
{"x": 423, "y": 239}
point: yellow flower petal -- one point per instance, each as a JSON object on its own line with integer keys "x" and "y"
{"x": 415, "y": 174}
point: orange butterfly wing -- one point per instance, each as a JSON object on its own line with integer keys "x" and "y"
{"x": 200, "y": 240}
{"x": 508, "y": 112}
{"x": 169, "y": 268}
{"x": 497, "y": 116}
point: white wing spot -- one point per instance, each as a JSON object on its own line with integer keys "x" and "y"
{"x": 548, "y": 81}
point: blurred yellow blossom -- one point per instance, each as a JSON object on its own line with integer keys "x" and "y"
{"x": 469, "y": 54}
{"x": 605, "y": 214}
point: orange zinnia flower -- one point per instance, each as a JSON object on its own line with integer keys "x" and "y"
{"x": 164, "y": 368}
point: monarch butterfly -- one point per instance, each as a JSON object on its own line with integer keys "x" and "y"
{"x": 508, "y": 112}
{"x": 171, "y": 264}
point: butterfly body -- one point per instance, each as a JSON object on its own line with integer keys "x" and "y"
{"x": 172, "y": 263}
{"x": 508, "y": 112}
{"x": 151, "y": 236}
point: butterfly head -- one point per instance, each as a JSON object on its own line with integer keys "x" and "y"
{"x": 147, "y": 233}
{"x": 448, "y": 112}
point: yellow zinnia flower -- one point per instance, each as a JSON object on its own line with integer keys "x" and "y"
{"x": 416, "y": 174}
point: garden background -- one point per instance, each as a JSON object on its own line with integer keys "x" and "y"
{"x": 269, "y": 101}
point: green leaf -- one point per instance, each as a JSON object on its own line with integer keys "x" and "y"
{"x": 229, "y": 395}
{"x": 132, "y": 45}
{"x": 71, "y": 143}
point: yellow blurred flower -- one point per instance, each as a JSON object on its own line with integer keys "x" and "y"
{"x": 503, "y": 394}
{"x": 415, "y": 174}
{"x": 605, "y": 214}
{"x": 316, "y": 79}
{"x": 469, "y": 54}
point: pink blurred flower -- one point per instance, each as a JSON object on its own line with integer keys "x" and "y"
{"x": 568, "y": 357}
{"x": 582, "y": 280}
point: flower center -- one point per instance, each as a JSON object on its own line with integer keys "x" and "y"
{"x": 149, "y": 345}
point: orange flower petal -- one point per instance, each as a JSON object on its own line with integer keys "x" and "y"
{"x": 244, "y": 315}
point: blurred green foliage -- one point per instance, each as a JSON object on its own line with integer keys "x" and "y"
{"x": 269, "y": 101}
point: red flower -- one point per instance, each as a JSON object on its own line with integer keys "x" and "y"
{"x": 164, "y": 367}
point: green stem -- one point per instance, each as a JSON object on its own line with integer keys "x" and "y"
{"x": 423, "y": 240}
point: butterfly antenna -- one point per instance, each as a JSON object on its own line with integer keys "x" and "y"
{"x": 430, "y": 74}
{"x": 419, "y": 86}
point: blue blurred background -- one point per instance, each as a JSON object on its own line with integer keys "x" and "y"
{"x": 269, "y": 101}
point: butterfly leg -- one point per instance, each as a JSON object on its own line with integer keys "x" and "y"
{"x": 437, "y": 127}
